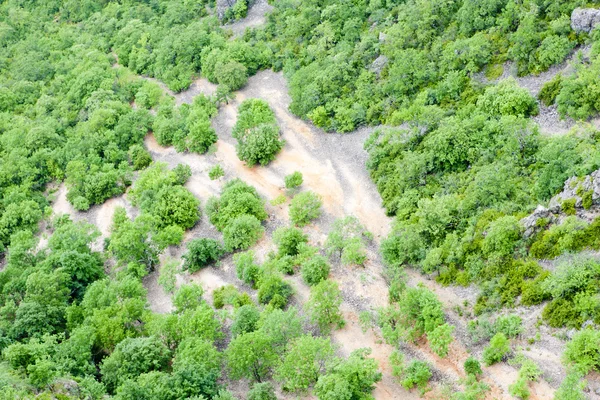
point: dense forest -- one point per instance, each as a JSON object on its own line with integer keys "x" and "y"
{"x": 482, "y": 143}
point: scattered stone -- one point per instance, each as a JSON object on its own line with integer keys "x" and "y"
{"x": 223, "y": 6}
{"x": 585, "y": 19}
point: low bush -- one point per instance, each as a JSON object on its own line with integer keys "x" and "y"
{"x": 293, "y": 180}
{"x": 498, "y": 348}
{"x": 202, "y": 252}
{"x": 416, "y": 374}
{"x": 304, "y": 208}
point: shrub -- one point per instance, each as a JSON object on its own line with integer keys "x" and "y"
{"x": 508, "y": 98}
{"x": 245, "y": 320}
{"x": 440, "y": 338}
{"x": 166, "y": 276}
{"x": 568, "y": 206}
{"x": 315, "y": 270}
{"x": 265, "y": 390}
{"x": 202, "y": 252}
{"x": 510, "y": 325}
{"x": 229, "y": 295}
{"x": 140, "y": 158}
{"x": 293, "y": 180}
{"x": 528, "y": 372}
{"x": 354, "y": 253}
{"x": 216, "y": 172}
{"x": 245, "y": 267}
{"x": 473, "y": 367}
{"x": 272, "y": 289}
{"x": 288, "y": 240}
{"x": 498, "y": 348}
{"x": 583, "y": 351}
{"x": 571, "y": 387}
{"x": 304, "y": 208}
{"x": 587, "y": 200}
{"x": 242, "y": 233}
{"x": 417, "y": 373}
{"x": 550, "y": 90}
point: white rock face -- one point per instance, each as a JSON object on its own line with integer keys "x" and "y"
{"x": 585, "y": 19}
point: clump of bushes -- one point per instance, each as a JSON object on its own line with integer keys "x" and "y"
{"x": 257, "y": 133}
{"x": 237, "y": 199}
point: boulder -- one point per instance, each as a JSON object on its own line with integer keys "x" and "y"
{"x": 585, "y": 19}
{"x": 378, "y": 65}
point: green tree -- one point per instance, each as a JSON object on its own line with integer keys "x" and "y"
{"x": 245, "y": 267}
{"x": 259, "y": 145}
{"x": 176, "y": 206}
{"x": 280, "y": 326}
{"x": 315, "y": 270}
{"x": 288, "y": 240}
{"x": 323, "y": 305}
{"x": 245, "y": 320}
{"x": 133, "y": 356}
{"x": 242, "y": 233}
{"x": 353, "y": 378}
{"x": 232, "y": 74}
{"x": 250, "y": 356}
{"x": 305, "y": 361}
{"x": 188, "y": 297}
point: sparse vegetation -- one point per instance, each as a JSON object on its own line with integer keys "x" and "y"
{"x": 90, "y": 94}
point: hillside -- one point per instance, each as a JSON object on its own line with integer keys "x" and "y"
{"x": 334, "y": 200}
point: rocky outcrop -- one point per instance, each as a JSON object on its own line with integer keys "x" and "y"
{"x": 585, "y": 19}
{"x": 576, "y": 188}
{"x": 378, "y": 64}
{"x": 530, "y": 222}
{"x": 585, "y": 192}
